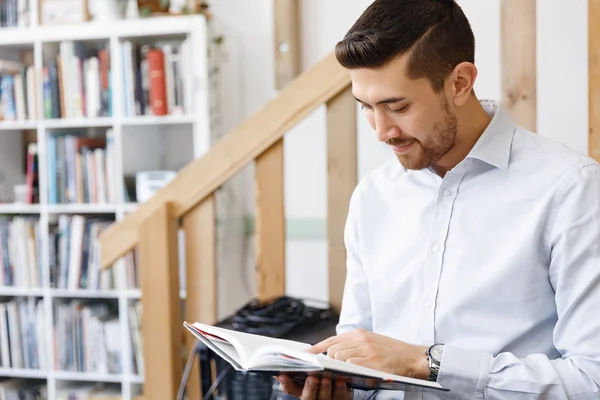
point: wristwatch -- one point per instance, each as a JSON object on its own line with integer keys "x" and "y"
{"x": 434, "y": 355}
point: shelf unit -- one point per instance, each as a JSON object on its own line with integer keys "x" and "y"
{"x": 137, "y": 141}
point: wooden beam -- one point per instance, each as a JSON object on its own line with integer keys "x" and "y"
{"x": 342, "y": 178}
{"x": 594, "y": 77}
{"x": 201, "y": 277}
{"x": 232, "y": 152}
{"x": 270, "y": 224}
{"x": 161, "y": 314}
{"x": 518, "y": 41}
{"x": 287, "y": 42}
{"x": 270, "y": 210}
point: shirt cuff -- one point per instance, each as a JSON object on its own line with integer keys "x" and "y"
{"x": 464, "y": 372}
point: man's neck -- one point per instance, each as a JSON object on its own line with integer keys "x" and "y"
{"x": 472, "y": 122}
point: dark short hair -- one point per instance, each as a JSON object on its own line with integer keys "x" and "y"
{"x": 436, "y": 32}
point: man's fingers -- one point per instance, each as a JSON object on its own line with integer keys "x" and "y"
{"x": 342, "y": 351}
{"x": 325, "y": 389}
{"x": 311, "y": 387}
{"x": 322, "y": 347}
{"x": 289, "y": 386}
{"x": 345, "y": 355}
{"x": 341, "y": 391}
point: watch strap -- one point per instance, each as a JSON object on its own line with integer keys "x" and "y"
{"x": 434, "y": 364}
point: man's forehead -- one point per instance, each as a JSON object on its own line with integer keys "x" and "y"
{"x": 379, "y": 91}
{"x": 374, "y": 86}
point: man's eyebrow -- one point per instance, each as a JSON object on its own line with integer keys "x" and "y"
{"x": 384, "y": 101}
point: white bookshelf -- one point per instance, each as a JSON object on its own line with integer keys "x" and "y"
{"x": 140, "y": 143}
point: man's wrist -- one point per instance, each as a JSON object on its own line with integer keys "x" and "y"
{"x": 420, "y": 368}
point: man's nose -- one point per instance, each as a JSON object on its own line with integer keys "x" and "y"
{"x": 384, "y": 127}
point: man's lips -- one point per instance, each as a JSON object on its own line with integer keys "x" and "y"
{"x": 402, "y": 148}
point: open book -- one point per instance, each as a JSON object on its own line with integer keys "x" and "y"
{"x": 262, "y": 354}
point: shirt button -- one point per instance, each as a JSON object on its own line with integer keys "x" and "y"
{"x": 447, "y": 193}
{"x": 435, "y": 248}
{"x": 427, "y": 304}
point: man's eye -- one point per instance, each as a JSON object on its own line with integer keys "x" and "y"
{"x": 365, "y": 107}
{"x": 400, "y": 110}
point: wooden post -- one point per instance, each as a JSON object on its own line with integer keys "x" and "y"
{"x": 518, "y": 21}
{"x": 201, "y": 277}
{"x": 594, "y": 77}
{"x": 270, "y": 224}
{"x": 161, "y": 312}
{"x": 287, "y": 42}
{"x": 270, "y": 209}
{"x": 341, "y": 181}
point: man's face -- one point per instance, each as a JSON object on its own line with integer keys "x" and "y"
{"x": 406, "y": 113}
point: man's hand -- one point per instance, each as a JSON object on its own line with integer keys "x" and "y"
{"x": 375, "y": 351}
{"x": 315, "y": 389}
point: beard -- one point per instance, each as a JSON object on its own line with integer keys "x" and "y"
{"x": 425, "y": 153}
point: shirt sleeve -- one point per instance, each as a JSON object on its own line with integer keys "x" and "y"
{"x": 356, "y": 302}
{"x": 574, "y": 242}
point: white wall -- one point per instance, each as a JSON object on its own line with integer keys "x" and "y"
{"x": 562, "y": 75}
{"x": 247, "y": 82}
{"x": 562, "y": 103}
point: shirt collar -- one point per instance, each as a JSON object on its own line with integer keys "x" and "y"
{"x": 493, "y": 147}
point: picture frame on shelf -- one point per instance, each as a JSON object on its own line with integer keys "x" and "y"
{"x": 59, "y": 12}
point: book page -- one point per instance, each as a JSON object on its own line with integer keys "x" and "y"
{"x": 223, "y": 348}
{"x": 247, "y": 344}
{"x": 289, "y": 356}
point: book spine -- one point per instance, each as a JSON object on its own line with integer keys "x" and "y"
{"x": 54, "y": 90}
{"x": 156, "y": 73}
{"x": 52, "y": 170}
{"x": 47, "y": 94}
{"x": 169, "y": 77}
{"x": 104, "y": 81}
{"x": 65, "y": 49}
{"x": 31, "y": 97}
{"x": 145, "y": 79}
{"x": 61, "y": 88}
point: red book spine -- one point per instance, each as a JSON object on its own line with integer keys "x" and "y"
{"x": 156, "y": 75}
{"x": 104, "y": 67}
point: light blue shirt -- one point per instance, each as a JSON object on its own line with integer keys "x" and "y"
{"x": 499, "y": 260}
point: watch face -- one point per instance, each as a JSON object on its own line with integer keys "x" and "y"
{"x": 436, "y": 352}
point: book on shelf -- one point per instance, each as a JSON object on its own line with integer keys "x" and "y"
{"x": 153, "y": 78}
{"x": 14, "y": 13}
{"x": 20, "y": 258}
{"x": 132, "y": 273}
{"x": 76, "y": 83}
{"x": 262, "y": 354}
{"x": 88, "y": 337}
{"x": 134, "y": 314}
{"x": 17, "y": 91}
{"x": 22, "y": 334}
{"x": 81, "y": 169}
{"x": 74, "y": 254}
{"x": 89, "y": 391}
{"x": 32, "y": 174}
{"x": 26, "y": 389}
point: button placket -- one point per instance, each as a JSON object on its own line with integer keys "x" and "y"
{"x": 442, "y": 217}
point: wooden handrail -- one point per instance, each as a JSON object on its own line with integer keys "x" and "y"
{"x": 231, "y": 153}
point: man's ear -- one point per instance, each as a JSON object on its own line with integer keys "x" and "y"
{"x": 463, "y": 80}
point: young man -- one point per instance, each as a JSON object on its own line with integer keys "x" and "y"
{"x": 475, "y": 259}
